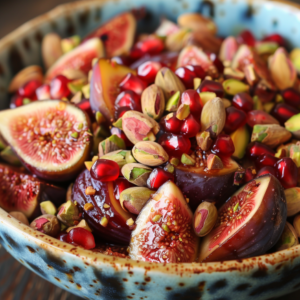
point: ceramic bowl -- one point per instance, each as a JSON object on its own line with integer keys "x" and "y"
{"x": 97, "y": 276}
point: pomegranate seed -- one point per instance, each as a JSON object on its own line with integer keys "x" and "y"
{"x": 223, "y": 146}
{"x": 85, "y": 106}
{"x": 151, "y": 45}
{"x": 211, "y": 86}
{"x": 243, "y": 101}
{"x": 257, "y": 149}
{"x": 17, "y": 101}
{"x": 249, "y": 174}
{"x": 291, "y": 97}
{"x": 246, "y": 37}
{"x": 266, "y": 170}
{"x": 172, "y": 124}
{"x": 190, "y": 126}
{"x": 120, "y": 185}
{"x": 235, "y": 118}
{"x": 287, "y": 172}
{"x": 63, "y": 237}
{"x": 158, "y": 177}
{"x": 120, "y": 111}
{"x": 132, "y": 83}
{"x": 275, "y": 37}
{"x": 148, "y": 70}
{"x": 282, "y": 112}
{"x": 128, "y": 99}
{"x": 217, "y": 62}
{"x": 59, "y": 87}
{"x": 175, "y": 145}
{"x": 192, "y": 98}
{"x": 188, "y": 73}
{"x": 105, "y": 170}
{"x": 122, "y": 60}
{"x": 118, "y": 132}
{"x": 82, "y": 237}
{"x": 264, "y": 94}
{"x": 266, "y": 160}
{"x": 260, "y": 117}
{"x": 43, "y": 92}
{"x": 198, "y": 70}
{"x": 29, "y": 88}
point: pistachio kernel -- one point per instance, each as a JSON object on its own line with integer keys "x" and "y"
{"x": 90, "y": 191}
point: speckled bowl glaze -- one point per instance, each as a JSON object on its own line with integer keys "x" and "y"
{"x": 97, "y": 276}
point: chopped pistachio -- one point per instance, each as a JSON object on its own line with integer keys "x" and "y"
{"x": 187, "y": 160}
{"x": 48, "y": 208}
{"x": 173, "y": 102}
{"x": 111, "y": 144}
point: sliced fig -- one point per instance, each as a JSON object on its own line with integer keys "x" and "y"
{"x": 79, "y": 58}
{"x": 164, "y": 229}
{"x": 249, "y": 223}
{"x": 50, "y": 138}
{"x": 199, "y": 184}
{"x": 23, "y": 192}
{"x": 117, "y": 34}
{"x": 105, "y": 79}
{"x": 107, "y": 218}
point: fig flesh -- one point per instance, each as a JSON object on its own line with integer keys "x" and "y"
{"x": 164, "y": 230}
{"x": 21, "y": 192}
{"x": 249, "y": 223}
{"x": 50, "y": 138}
{"x": 199, "y": 184}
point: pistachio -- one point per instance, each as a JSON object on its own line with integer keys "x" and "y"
{"x": 69, "y": 192}
{"x": 51, "y": 49}
{"x": 88, "y": 164}
{"x": 257, "y": 104}
{"x": 129, "y": 158}
{"x": 76, "y": 98}
{"x": 73, "y": 74}
{"x": 111, "y": 144}
{"x": 25, "y": 75}
{"x": 296, "y": 225}
{"x": 295, "y": 154}
{"x": 118, "y": 124}
{"x": 169, "y": 168}
{"x": 136, "y": 173}
{"x": 89, "y": 206}
{"x": 230, "y": 73}
{"x": 76, "y": 85}
{"x": 270, "y": 134}
{"x": 282, "y": 70}
{"x": 104, "y": 221}
{"x": 153, "y": 102}
{"x": 47, "y": 224}
{"x": 288, "y": 238}
{"x": 293, "y": 125}
{"x": 183, "y": 111}
{"x": 214, "y": 162}
{"x": 168, "y": 82}
{"x": 70, "y": 43}
{"x": 156, "y": 218}
{"x": 204, "y": 140}
{"x": 48, "y": 208}
{"x": 174, "y": 161}
{"x": 196, "y": 82}
{"x": 139, "y": 127}
{"x": 213, "y": 115}
{"x": 173, "y": 102}
{"x": 292, "y": 196}
{"x": 295, "y": 58}
{"x": 206, "y": 96}
{"x": 133, "y": 199}
{"x": 205, "y": 218}
{"x": 89, "y": 191}
{"x": 20, "y": 217}
{"x": 118, "y": 156}
{"x": 150, "y": 153}
{"x": 68, "y": 214}
{"x": 233, "y": 87}
{"x": 86, "y": 91}
{"x": 82, "y": 224}
{"x": 187, "y": 160}
{"x": 228, "y": 49}
{"x": 99, "y": 118}
{"x": 177, "y": 40}
{"x": 10, "y": 156}
{"x": 250, "y": 74}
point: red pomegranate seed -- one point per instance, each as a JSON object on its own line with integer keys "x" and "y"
{"x": 266, "y": 170}
{"x": 291, "y": 97}
{"x": 264, "y": 94}
{"x": 260, "y": 117}
{"x": 188, "y": 73}
{"x": 105, "y": 170}
{"x": 122, "y": 60}
{"x": 85, "y": 105}
{"x": 275, "y": 37}
{"x": 190, "y": 126}
{"x": 246, "y": 37}
{"x": 223, "y": 146}
{"x": 282, "y": 112}
{"x": 132, "y": 83}
{"x": 243, "y": 101}
{"x": 198, "y": 70}
{"x": 175, "y": 145}
{"x": 17, "y": 101}
{"x": 120, "y": 185}
{"x": 250, "y": 174}
{"x": 192, "y": 98}
{"x": 120, "y": 111}
{"x": 63, "y": 237}
{"x": 43, "y": 92}
{"x": 118, "y": 132}
{"x": 287, "y": 172}
{"x": 148, "y": 70}
{"x": 82, "y": 237}
{"x": 266, "y": 160}
{"x": 211, "y": 86}
{"x": 235, "y": 118}
{"x": 128, "y": 99}
{"x": 172, "y": 124}
{"x": 151, "y": 45}
{"x": 29, "y": 88}
{"x": 217, "y": 62}
{"x": 158, "y": 177}
{"x": 257, "y": 149}
{"x": 59, "y": 87}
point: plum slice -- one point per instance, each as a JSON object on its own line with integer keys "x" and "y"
{"x": 199, "y": 184}
{"x": 107, "y": 218}
{"x": 50, "y": 137}
{"x": 249, "y": 223}
{"x": 22, "y": 192}
{"x": 164, "y": 230}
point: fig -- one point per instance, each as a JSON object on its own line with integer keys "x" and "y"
{"x": 107, "y": 218}
{"x": 21, "y": 192}
{"x": 117, "y": 34}
{"x": 249, "y": 223}
{"x": 106, "y": 77}
{"x": 199, "y": 184}
{"x": 79, "y": 58}
{"x": 50, "y": 137}
{"x": 164, "y": 229}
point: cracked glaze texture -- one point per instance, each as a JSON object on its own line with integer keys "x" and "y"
{"x": 97, "y": 276}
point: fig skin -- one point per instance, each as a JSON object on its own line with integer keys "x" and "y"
{"x": 256, "y": 236}
{"x": 199, "y": 185}
{"x": 116, "y": 231}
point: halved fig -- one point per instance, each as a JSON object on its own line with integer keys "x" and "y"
{"x": 107, "y": 218}
{"x": 23, "y": 192}
{"x": 249, "y": 223}
{"x": 50, "y": 137}
{"x": 79, "y": 58}
{"x": 104, "y": 82}
{"x": 164, "y": 230}
{"x": 117, "y": 34}
{"x": 199, "y": 184}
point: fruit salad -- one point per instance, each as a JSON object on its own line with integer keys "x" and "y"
{"x": 175, "y": 146}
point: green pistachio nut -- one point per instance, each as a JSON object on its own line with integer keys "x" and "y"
{"x": 293, "y": 125}
{"x": 173, "y": 102}
{"x": 187, "y": 160}
{"x": 233, "y": 87}
{"x": 136, "y": 173}
{"x": 47, "y": 207}
{"x": 68, "y": 214}
{"x": 118, "y": 156}
{"x": 111, "y": 144}
{"x": 129, "y": 158}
